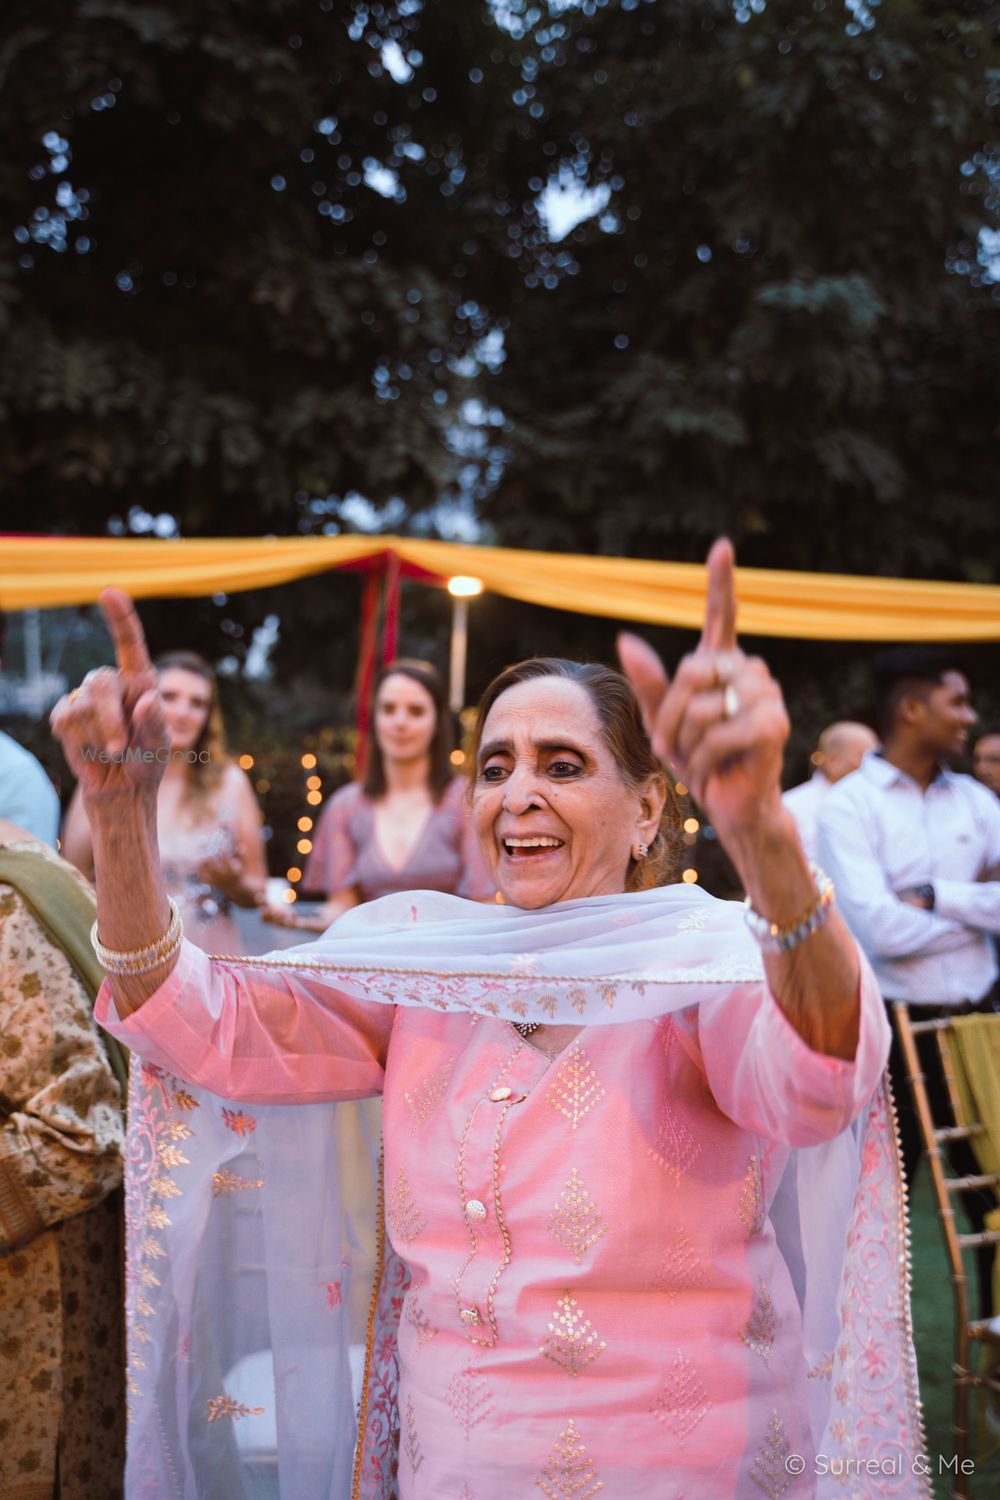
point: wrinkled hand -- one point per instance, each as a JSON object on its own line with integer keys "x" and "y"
{"x": 111, "y": 727}
{"x": 721, "y": 725}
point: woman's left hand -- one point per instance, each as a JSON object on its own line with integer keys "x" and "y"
{"x": 721, "y": 725}
{"x": 225, "y": 872}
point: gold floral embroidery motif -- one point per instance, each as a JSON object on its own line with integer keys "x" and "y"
{"x": 683, "y": 1401}
{"x": 569, "y": 1471}
{"x": 759, "y": 1333}
{"x": 228, "y": 1406}
{"x": 225, "y": 1183}
{"x": 572, "y": 1342}
{"x": 682, "y": 1268}
{"x": 411, "y": 1439}
{"x": 822, "y": 1369}
{"x": 469, "y": 1399}
{"x": 428, "y": 1095}
{"x": 576, "y": 1088}
{"x": 676, "y": 1147}
{"x": 576, "y": 1221}
{"x": 172, "y": 1156}
{"x": 419, "y": 1320}
{"x": 768, "y": 1470}
{"x": 751, "y": 1209}
{"x": 403, "y": 1214}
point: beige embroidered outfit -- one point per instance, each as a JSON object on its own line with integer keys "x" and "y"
{"x": 61, "y": 1379}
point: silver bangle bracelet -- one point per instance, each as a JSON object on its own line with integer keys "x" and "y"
{"x": 775, "y": 939}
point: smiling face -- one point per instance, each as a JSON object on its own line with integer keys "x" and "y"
{"x": 945, "y": 716}
{"x": 187, "y": 700}
{"x": 405, "y": 718}
{"x": 554, "y": 817}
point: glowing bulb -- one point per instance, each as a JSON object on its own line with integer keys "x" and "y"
{"x": 691, "y": 825}
{"x": 305, "y": 824}
{"x": 314, "y": 783}
{"x": 304, "y": 846}
{"x": 288, "y": 896}
{"x": 314, "y": 798}
{"x": 457, "y": 757}
{"x": 464, "y": 588}
{"x": 293, "y": 874}
{"x": 690, "y": 876}
{"x": 308, "y": 761}
{"x": 263, "y": 785}
{"x": 246, "y": 762}
{"x": 681, "y": 789}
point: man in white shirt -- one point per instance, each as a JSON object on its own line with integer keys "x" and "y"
{"x": 27, "y": 796}
{"x": 914, "y": 851}
{"x": 839, "y": 752}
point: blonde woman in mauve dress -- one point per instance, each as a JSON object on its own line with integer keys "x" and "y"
{"x": 208, "y": 821}
{"x": 406, "y": 826}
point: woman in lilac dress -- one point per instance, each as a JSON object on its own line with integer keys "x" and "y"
{"x": 406, "y": 826}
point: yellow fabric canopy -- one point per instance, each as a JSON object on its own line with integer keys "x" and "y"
{"x": 42, "y": 572}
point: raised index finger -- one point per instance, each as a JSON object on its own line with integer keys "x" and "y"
{"x": 125, "y": 629}
{"x": 719, "y": 630}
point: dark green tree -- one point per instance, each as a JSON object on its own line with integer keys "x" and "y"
{"x": 244, "y": 256}
{"x": 784, "y": 323}
{"x": 246, "y": 270}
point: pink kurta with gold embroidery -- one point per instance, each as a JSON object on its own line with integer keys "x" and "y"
{"x": 597, "y": 1303}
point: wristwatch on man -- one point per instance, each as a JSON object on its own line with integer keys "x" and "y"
{"x": 926, "y": 894}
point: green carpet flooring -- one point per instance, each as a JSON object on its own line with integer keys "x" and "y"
{"x": 932, "y": 1326}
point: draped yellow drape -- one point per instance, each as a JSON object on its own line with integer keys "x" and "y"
{"x": 46, "y": 571}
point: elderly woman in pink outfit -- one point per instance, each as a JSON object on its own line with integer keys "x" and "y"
{"x": 602, "y": 1274}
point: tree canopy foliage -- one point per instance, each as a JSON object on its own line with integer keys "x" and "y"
{"x": 784, "y": 324}
{"x": 244, "y": 273}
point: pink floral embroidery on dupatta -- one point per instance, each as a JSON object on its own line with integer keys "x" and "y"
{"x": 875, "y": 1411}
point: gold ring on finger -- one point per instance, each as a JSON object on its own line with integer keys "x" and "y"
{"x": 730, "y": 702}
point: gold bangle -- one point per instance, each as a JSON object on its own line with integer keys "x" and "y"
{"x": 141, "y": 960}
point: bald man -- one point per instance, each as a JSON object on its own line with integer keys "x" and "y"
{"x": 840, "y": 750}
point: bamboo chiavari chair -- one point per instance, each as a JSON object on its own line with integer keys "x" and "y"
{"x": 969, "y": 1332}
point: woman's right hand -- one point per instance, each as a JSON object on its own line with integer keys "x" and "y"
{"x": 287, "y": 916}
{"x": 112, "y": 728}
